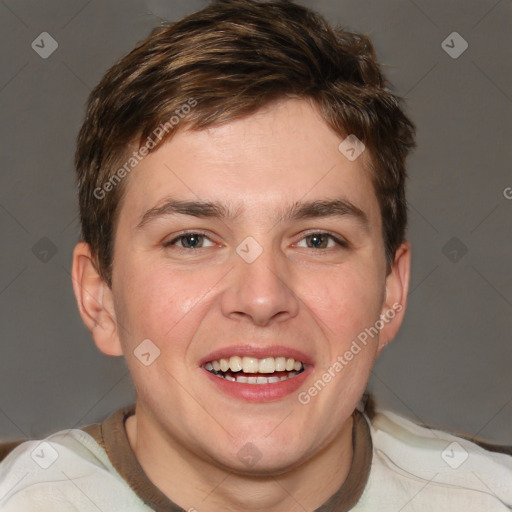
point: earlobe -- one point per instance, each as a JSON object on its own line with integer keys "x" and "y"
{"x": 95, "y": 301}
{"x": 397, "y": 287}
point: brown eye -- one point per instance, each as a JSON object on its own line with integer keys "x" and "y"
{"x": 190, "y": 241}
{"x": 318, "y": 241}
{"x": 322, "y": 241}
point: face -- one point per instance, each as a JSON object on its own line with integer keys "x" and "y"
{"x": 280, "y": 261}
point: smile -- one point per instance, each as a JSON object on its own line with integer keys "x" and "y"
{"x": 251, "y": 370}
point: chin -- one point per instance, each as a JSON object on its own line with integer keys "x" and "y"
{"x": 254, "y": 460}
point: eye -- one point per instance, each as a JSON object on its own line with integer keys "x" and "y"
{"x": 190, "y": 241}
{"x": 322, "y": 240}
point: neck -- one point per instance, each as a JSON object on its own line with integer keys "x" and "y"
{"x": 195, "y": 483}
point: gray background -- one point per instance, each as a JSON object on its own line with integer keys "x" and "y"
{"x": 451, "y": 363}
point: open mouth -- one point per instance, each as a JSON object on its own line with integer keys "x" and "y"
{"x": 251, "y": 370}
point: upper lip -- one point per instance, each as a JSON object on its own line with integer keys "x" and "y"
{"x": 257, "y": 351}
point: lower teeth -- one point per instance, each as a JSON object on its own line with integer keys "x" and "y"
{"x": 244, "y": 379}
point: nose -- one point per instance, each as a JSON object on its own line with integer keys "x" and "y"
{"x": 262, "y": 291}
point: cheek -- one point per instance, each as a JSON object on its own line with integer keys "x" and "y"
{"x": 154, "y": 300}
{"x": 346, "y": 301}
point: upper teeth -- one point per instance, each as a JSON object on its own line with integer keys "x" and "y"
{"x": 254, "y": 365}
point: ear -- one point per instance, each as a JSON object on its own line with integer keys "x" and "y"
{"x": 95, "y": 301}
{"x": 395, "y": 302}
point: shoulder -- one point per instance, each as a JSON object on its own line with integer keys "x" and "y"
{"x": 429, "y": 466}
{"x": 66, "y": 467}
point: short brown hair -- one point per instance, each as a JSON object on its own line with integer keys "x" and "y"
{"x": 228, "y": 60}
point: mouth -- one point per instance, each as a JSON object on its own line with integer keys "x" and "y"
{"x": 252, "y": 373}
{"x": 251, "y": 370}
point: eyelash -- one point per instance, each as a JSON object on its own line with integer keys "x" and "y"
{"x": 340, "y": 242}
{"x": 337, "y": 240}
{"x": 184, "y": 235}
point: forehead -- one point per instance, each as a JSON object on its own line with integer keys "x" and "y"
{"x": 283, "y": 154}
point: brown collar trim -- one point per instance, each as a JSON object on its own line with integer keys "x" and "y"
{"x": 352, "y": 489}
{"x": 123, "y": 458}
{"x": 111, "y": 435}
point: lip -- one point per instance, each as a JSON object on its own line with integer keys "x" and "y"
{"x": 259, "y": 392}
{"x": 259, "y": 352}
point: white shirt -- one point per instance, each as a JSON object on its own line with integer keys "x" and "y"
{"x": 413, "y": 469}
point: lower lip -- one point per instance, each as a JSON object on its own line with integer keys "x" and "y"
{"x": 259, "y": 392}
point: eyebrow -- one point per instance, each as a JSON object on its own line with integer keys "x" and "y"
{"x": 338, "y": 207}
{"x": 325, "y": 208}
{"x": 203, "y": 209}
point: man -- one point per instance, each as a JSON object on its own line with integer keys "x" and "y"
{"x": 241, "y": 185}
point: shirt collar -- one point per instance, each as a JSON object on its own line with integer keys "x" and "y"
{"x": 111, "y": 435}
